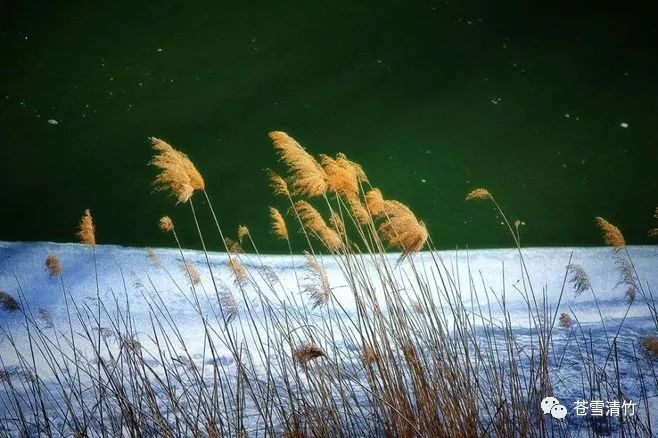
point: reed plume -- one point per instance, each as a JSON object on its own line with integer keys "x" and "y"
{"x": 154, "y": 258}
{"x": 401, "y": 228}
{"x": 306, "y": 175}
{"x": 375, "y": 202}
{"x": 611, "y": 234}
{"x": 86, "y": 230}
{"x": 565, "y": 320}
{"x": 578, "y": 278}
{"x": 166, "y": 224}
{"x": 358, "y": 210}
{"x": 279, "y": 227}
{"x": 8, "y": 303}
{"x": 44, "y": 316}
{"x": 631, "y": 293}
{"x": 313, "y": 220}
{"x": 478, "y": 193}
{"x": 341, "y": 175}
{"x": 53, "y": 265}
{"x": 178, "y": 176}
{"x": 650, "y": 343}
{"x": 370, "y": 356}
{"x": 239, "y": 270}
{"x": 308, "y": 352}
{"x": 192, "y": 273}
{"x": 232, "y": 246}
{"x": 337, "y": 223}
{"x": 317, "y": 282}
{"x": 243, "y": 232}
{"x": 278, "y": 184}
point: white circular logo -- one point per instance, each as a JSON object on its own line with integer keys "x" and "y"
{"x": 548, "y": 403}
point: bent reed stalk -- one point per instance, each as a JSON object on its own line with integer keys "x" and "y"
{"x": 419, "y": 355}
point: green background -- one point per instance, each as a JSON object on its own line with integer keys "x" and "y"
{"x": 432, "y": 98}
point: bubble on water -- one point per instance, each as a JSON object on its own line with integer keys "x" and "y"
{"x": 623, "y": 125}
{"x": 567, "y": 115}
{"x": 53, "y": 122}
{"x": 423, "y": 180}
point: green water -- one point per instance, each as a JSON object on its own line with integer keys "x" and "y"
{"x": 433, "y": 98}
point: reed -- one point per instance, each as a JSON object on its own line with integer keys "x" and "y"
{"x": 418, "y": 354}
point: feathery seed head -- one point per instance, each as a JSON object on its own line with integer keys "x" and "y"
{"x": 565, "y": 320}
{"x": 178, "y": 175}
{"x": 166, "y": 224}
{"x": 306, "y": 175}
{"x": 192, "y": 273}
{"x": 278, "y": 184}
{"x": 341, "y": 176}
{"x": 232, "y": 246}
{"x": 478, "y": 193}
{"x": 86, "y": 230}
{"x": 53, "y": 265}
{"x": 278, "y": 224}
{"x": 650, "y": 343}
{"x": 375, "y": 202}
{"x": 316, "y": 282}
{"x": 611, "y": 234}
{"x": 314, "y": 221}
{"x": 402, "y": 229}
{"x": 243, "y": 231}
{"x": 8, "y": 303}
{"x": 358, "y": 210}
{"x": 239, "y": 270}
{"x": 370, "y": 356}
{"x": 308, "y": 352}
{"x": 631, "y": 293}
{"x": 578, "y": 278}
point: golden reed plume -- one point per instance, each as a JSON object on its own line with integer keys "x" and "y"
{"x": 375, "y": 202}
{"x": 166, "y": 224}
{"x": 402, "y": 229}
{"x": 86, "y": 230}
{"x": 370, "y": 356}
{"x": 358, "y": 210}
{"x": 178, "y": 175}
{"x": 341, "y": 175}
{"x": 8, "y": 303}
{"x": 307, "y": 176}
{"x": 232, "y": 246}
{"x": 611, "y": 234}
{"x": 243, "y": 232}
{"x": 238, "y": 269}
{"x": 313, "y": 220}
{"x": 278, "y": 184}
{"x": 565, "y": 320}
{"x": 279, "y": 227}
{"x": 478, "y": 193}
{"x": 53, "y": 265}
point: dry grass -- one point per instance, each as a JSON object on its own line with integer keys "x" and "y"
{"x": 166, "y": 224}
{"x": 415, "y": 356}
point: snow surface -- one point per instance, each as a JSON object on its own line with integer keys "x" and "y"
{"x": 130, "y": 275}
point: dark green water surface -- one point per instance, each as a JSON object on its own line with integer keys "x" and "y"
{"x": 555, "y": 110}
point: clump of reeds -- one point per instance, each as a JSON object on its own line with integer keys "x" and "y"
{"x": 239, "y": 270}
{"x": 611, "y": 234}
{"x": 53, "y": 265}
{"x": 8, "y": 303}
{"x": 86, "y": 230}
{"x": 308, "y": 352}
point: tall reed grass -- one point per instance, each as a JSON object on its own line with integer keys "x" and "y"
{"x": 419, "y": 355}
